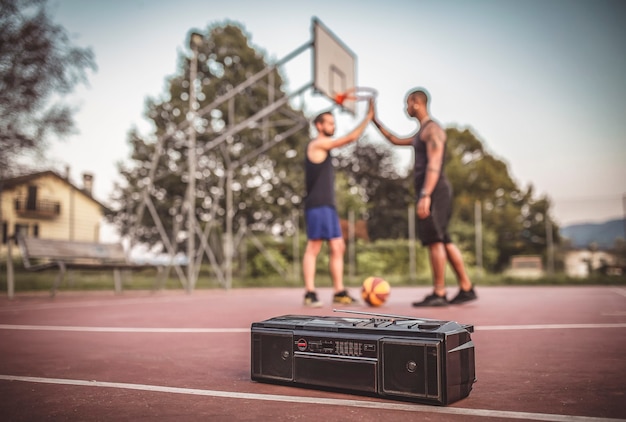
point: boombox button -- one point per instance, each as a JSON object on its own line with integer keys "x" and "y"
{"x": 301, "y": 344}
{"x": 369, "y": 347}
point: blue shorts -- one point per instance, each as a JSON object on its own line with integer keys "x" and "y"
{"x": 322, "y": 223}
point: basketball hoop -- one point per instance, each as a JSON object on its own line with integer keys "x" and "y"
{"x": 355, "y": 94}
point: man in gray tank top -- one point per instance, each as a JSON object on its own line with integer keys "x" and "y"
{"x": 434, "y": 200}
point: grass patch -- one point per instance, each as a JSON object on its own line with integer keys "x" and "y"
{"x": 148, "y": 279}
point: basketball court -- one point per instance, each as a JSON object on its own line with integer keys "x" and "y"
{"x": 542, "y": 353}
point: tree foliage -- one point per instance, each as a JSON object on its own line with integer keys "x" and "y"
{"x": 266, "y": 164}
{"x": 385, "y": 194}
{"x": 38, "y": 65}
{"x": 510, "y": 214}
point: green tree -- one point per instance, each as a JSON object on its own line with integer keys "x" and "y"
{"x": 38, "y": 64}
{"x": 268, "y": 180}
{"x": 514, "y": 216}
{"x": 369, "y": 167}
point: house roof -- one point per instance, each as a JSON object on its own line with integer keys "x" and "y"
{"x": 12, "y": 182}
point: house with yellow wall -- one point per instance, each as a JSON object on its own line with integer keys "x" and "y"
{"x": 49, "y": 206}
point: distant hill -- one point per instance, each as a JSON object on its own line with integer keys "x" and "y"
{"x": 604, "y": 234}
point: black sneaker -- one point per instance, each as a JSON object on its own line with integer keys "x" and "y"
{"x": 311, "y": 300}
{"x": 343, "y": 298}
{"x": 432, "y": 300}
{"x": 464, "y": 296}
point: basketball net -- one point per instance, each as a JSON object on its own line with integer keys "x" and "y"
{"x": 355, "y": 94}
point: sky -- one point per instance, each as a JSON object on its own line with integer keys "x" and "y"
{"x": 542, "y": 83}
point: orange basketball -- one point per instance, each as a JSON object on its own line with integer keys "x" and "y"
{"x": 375, "y": 291}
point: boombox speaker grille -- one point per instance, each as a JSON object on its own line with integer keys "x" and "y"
{"x": 411, "y": 368}
{"x": 272, "y": 356}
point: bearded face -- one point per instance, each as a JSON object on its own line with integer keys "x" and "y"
{"x": 327, "y": 126}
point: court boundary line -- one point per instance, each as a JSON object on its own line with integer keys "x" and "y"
{"x": 123, "y": 329}
{"x": 247, "y": 330}
{"x": 313, "y": 400}
{"x": 92, "y": 303}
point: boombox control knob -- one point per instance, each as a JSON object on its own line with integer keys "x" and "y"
{"x": 411, "y": 366}
{"x": 284, "y": 355}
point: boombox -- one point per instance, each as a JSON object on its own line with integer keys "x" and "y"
{"x": 398, "y": 357}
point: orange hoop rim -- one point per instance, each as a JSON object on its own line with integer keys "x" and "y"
{"x": 358, "y": 93}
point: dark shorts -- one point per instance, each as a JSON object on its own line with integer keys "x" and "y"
{"x": 434, "y": 228}
{"x": 322, "y": 223}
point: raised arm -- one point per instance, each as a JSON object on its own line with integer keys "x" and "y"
{"x": 390, "y": 136}
{"x": 329, "y": 143}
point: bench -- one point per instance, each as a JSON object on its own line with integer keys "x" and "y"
{"x": 41, "y": 254}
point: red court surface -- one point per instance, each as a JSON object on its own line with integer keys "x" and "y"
{"x": 542, "y": 353}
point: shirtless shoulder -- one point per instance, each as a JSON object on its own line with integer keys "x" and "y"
{"x": 434, "y": 136}
{"x": 315, "y": 151}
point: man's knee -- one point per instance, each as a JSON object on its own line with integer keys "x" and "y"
{"x": 313, "y": 247}
{"x": 337, "y": 246}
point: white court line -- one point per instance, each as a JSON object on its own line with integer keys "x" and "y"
{"x": 247, "y": 330}
{"x": 94, "y": 303}
{"x": 315, "y": 400}
{"x": 122, "y": 329}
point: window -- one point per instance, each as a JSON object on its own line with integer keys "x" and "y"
{"x": 20, "y": 229}
{"x": 31, "y": 201}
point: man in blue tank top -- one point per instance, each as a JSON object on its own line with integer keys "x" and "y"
{"x": 434, "y": 200}
{"x": 322, "y": 221}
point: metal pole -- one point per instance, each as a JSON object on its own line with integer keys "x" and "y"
{"x": 351, "y": 245}
{"x": 550, "y": 245}
{"x": 295, "y": 215}
{"x": 194, "y": 41}
{"x": 624, "y": 208}
{"x": 228, "y": 247}
{"x": 10, "y": 273}
{"x": 412, "y": 268}
{"x": 478, "y": 227}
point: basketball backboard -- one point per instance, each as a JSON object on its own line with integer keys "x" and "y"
{"x": 334, "y": 65}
